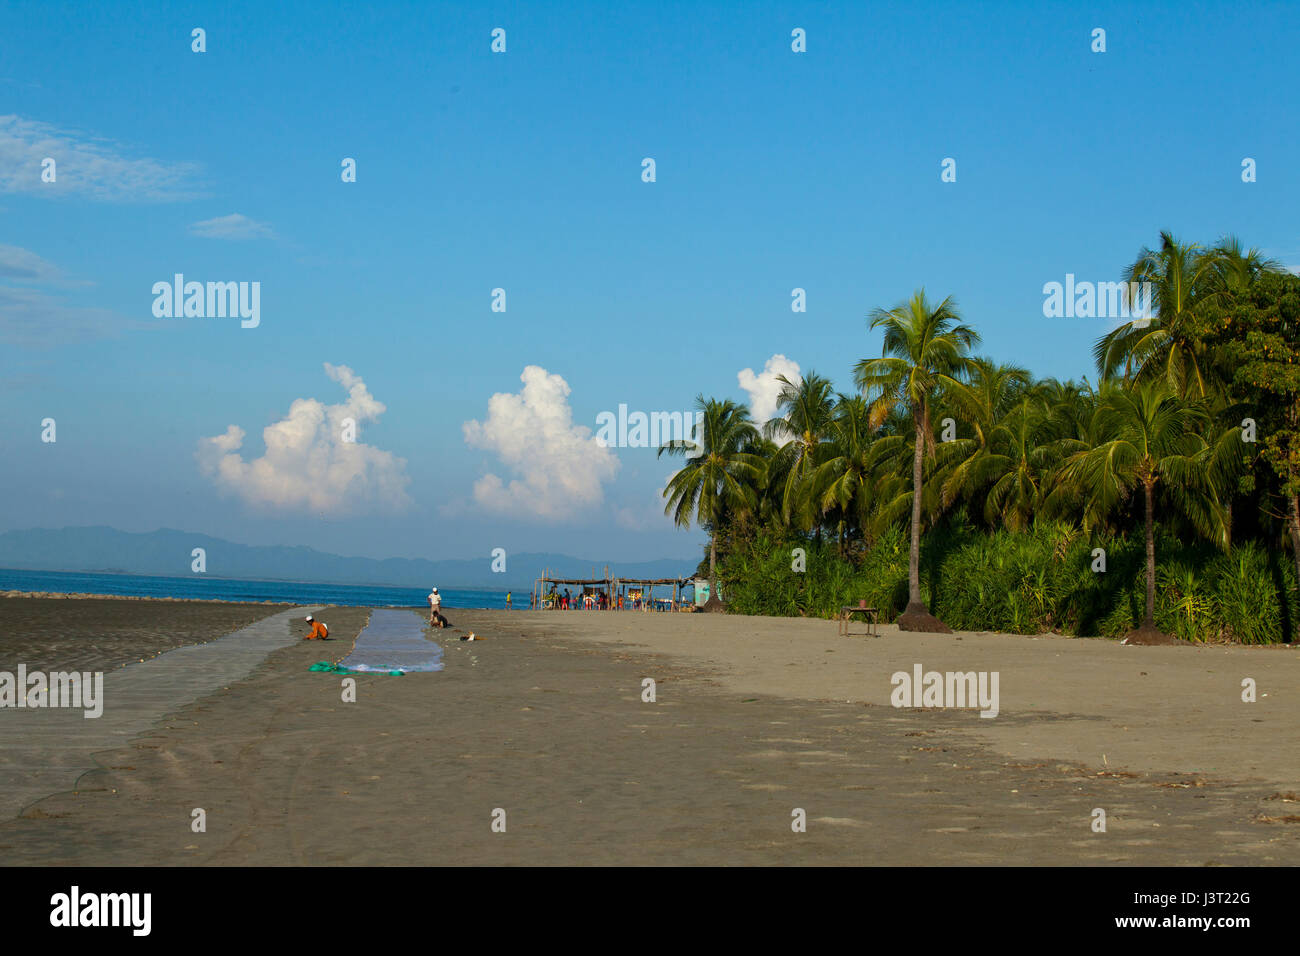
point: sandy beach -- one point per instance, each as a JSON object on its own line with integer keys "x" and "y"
{"x": 105, "y": 633}
{"x": 543, "y": 725}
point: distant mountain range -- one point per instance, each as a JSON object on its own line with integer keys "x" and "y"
{"x": 169, "y": 553}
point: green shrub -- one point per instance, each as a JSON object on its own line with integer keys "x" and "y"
{"x": 1024, "y": 583}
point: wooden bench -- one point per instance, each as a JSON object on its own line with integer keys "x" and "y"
{"x": 847, "y": 612}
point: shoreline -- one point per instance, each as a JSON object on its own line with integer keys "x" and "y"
{"x": 85, "y": 596}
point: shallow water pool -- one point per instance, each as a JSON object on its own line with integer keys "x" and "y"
{"x": 394, "y": 641}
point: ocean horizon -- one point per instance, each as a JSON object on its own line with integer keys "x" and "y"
{"x": 236, "y": 589}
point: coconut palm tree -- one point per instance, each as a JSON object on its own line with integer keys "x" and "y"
{"x": 982, "y": 404}
{"x": 720, "y": 473}
{"x": 1187, "y": 281}
{"x": 926, "y": 349}
{"x": 1013, "y": 469}
{"x": 1232, "y": 270}
{"x": 842, "y": 484}
{"x": 807, "y": 408}
{"x": 1180, "y": 275}
{"x": 1152, "y": 439}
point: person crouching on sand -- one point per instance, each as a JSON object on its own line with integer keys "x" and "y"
{"x": 319, "y": 631}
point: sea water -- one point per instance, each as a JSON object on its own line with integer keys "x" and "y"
{"x": 230, "y": 589}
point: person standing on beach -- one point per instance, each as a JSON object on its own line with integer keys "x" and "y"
{"x": 435, "y": 608}
{"x": 507, "y": 600}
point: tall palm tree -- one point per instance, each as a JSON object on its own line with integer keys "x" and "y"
{"x": 926, "y": 349}
{"x": 1152, "y": 439}
{"x": 808, "y": 409}
{"x": 1234, "y": 270}
{"x": 1163, "y": 345}
{"x": 1186, "y": 280}
{"x": 720, "y": 473}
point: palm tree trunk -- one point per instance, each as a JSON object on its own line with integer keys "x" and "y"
{"x": 1151, "y": 559}
{"x": 914, "y": 553}
{"x": 713, "y": 563}
{"x": 1293, "y": 526}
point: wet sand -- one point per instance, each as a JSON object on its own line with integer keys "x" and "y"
{"x": 753, "y": 720}
{"x": 105, "y": 633}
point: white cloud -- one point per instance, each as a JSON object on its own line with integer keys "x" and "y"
{"x": 234, "y": 226}
{"x": 84, "y": 165}
{"x": 307, "y": 464}
{"x": 31, "y": 318}
{"x": 561, "y": 468}
{"x": 763, "y": 388}
{"x": 26, "y": 266}
{"x": 35, "y": 318}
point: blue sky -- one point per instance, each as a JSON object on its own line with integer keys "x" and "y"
{"x": 522, "y": 170}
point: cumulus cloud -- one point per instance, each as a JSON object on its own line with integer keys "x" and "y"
{"x": 87, "y": 166}
{"x": 763, "y": 387}
{"x": 561, "y": 469}
{"x": 308, "y": 465}
{"x": 234, "y": 226}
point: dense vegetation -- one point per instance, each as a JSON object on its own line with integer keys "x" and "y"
{"x": 949, "y": 486}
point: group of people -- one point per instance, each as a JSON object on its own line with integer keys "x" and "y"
{"x": 589, "y": 601}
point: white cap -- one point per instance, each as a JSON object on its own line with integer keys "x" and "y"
{"x": 308, "y": 618}
{"x": 435, "y": 590}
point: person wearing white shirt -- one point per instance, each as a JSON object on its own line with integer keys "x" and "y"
{"x": 435, "y": 609}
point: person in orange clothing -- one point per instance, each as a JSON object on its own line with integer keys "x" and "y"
{"x": 319, "y": 631}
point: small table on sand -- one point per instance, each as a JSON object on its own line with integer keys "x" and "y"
{"x": 847, "y": 612}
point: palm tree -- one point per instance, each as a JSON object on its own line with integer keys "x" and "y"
{"x": 1186, "y": 280}
{"x": 1013, "y": 469}
{"x": 983, "y": 403}
{"x": 720, "y": 473}
{"x": 926, "y": 349}
{"x": 842, "y": 483}
{"x": 1232, "y": 271}
{"x": 1152, "y": 439}
{"x": 808, "y": 409}
{"x": 1162, "y": 345}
